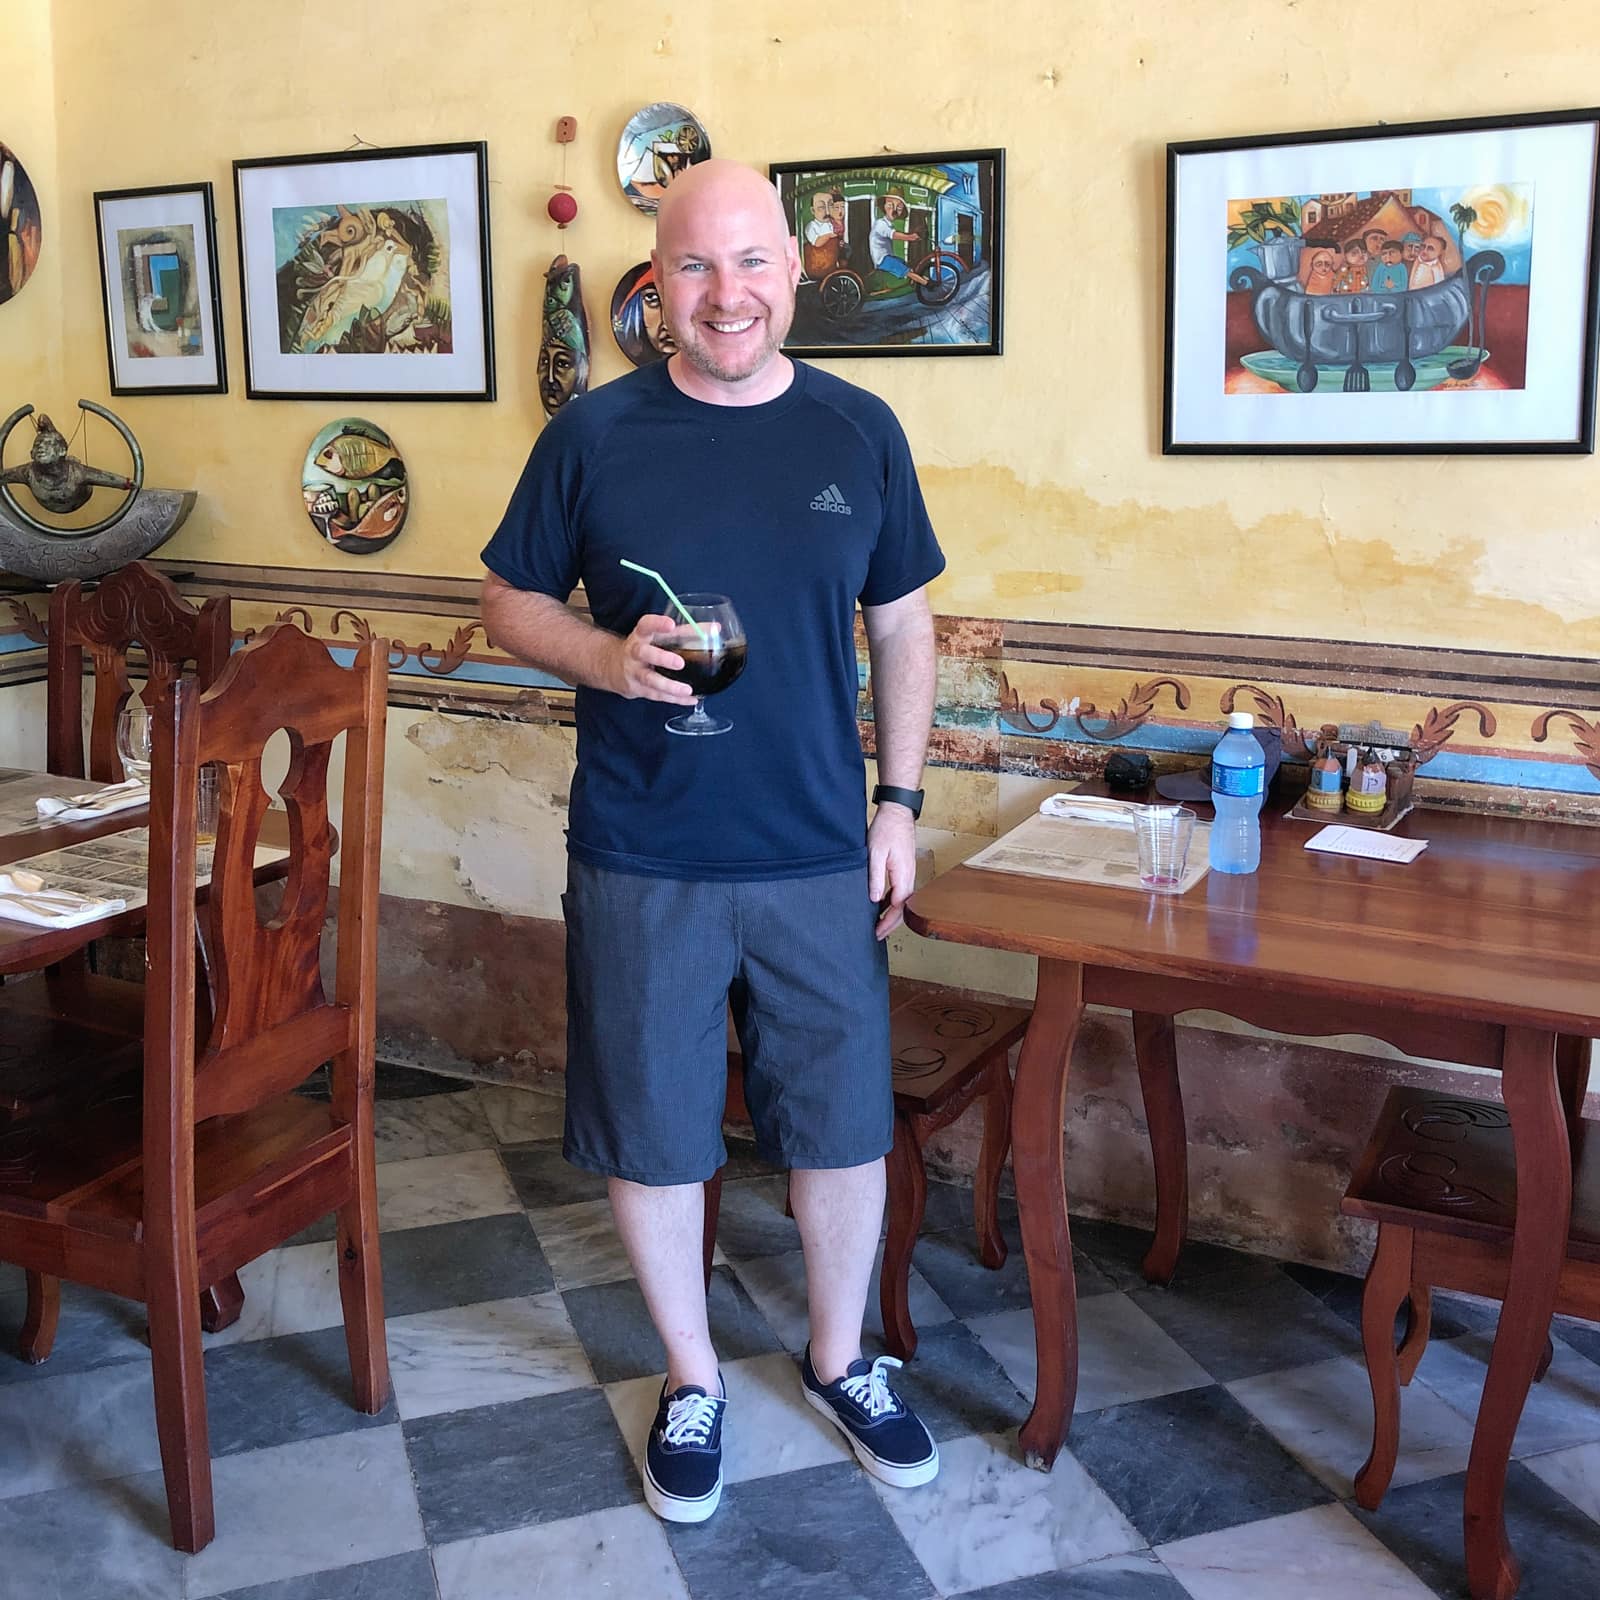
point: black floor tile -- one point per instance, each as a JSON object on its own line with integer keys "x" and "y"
{"x": 543, "y": 1177}
{"x": 391, "y": 1082}
{"x": 96, "y": 1330}
{"x": 820, "y": 1534}
{"x": 1248, "y": 1320}
{"x": 1584, "y": 1337}
{"x": 273, "y": 1391}
{"x": 1556, "y": 1543}
{"x": 1119, "y": 1252}
{"x": 406, "y": 1577}
{"x": 461, "y": 1264}
{"x": 1341, "y": 1294}
{"x": 956, "y": 1386}
{"x": 1190, "y": 1463}
{"x": 510, "y": 1466}
{"x": 614, "y": 1327}
{"x": 949, "y": 1261}
{"x": 1139, "y": 1577}
{"x": 751, "y": 1222}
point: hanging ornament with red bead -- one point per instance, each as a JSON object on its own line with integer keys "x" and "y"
{"x": 561, "y": 206}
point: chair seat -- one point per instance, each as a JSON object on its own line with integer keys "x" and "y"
{"x": 48, "y": 1060}
{"x": 93, "y": 1002}
{"x": 1445, "y": 1164}
{"x": 940, "y": 1037}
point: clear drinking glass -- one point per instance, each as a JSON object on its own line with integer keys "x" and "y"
{"x": 133, "y": 741}
{"x": 1163, "y": 833}
{"x": 712, "y": 658}
{"x": 205, "y": 810}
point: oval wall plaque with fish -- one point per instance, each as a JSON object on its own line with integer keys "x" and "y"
{"x": 355, "y": 486}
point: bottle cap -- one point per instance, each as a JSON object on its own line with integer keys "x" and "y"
{"x": 1241, "y": 719}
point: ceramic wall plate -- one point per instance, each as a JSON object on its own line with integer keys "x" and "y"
{"x": 636, "y": 318}
{"x": 355, "y": 486}
{"x": 657, "y": 144}
{"x": 21, "y": 231}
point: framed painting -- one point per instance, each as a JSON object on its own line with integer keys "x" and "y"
{"x": 364, "y": 274}
{"x": 1426, "y": 288}
{"x": 899, "y": 255}
{"x": 158, "y": 285}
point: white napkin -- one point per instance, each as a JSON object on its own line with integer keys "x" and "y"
{"x": 52, "y": 908}
{"x": 86, "y": 807}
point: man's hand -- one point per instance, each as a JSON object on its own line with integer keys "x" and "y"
{"x": 634, "y": 675}
{"x": 891, "y": 863}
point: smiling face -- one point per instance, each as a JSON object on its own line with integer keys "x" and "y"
{"x": 727, "y": 267}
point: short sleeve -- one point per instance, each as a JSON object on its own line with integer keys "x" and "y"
{"x": 907, "y": 554}
{"x": 537, "y": 545}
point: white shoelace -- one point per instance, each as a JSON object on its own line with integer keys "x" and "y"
{"x": 691, "y": 1419}
{"x": 871, "y": 1391}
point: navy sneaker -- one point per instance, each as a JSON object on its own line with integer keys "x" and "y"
{"x": 886, "y": 1434}
{"x": 683, "y": 1456}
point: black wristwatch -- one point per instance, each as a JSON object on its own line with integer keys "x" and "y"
{"x": 911, "y": 799}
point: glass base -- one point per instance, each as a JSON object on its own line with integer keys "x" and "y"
{"x": 697, "y": 722}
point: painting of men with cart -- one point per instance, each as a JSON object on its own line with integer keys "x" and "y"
{"x": 899, "y": 255}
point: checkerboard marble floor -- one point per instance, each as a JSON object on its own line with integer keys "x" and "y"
{"x": 1218, "y": 1424}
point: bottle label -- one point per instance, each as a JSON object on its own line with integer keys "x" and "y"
{"x": 1247, "y": 782}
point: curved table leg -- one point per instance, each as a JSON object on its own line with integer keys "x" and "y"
{"x": 1544, "y": 1214}
{"x": 1155, "y": 1048}
{"x": 1037, "y": 1112}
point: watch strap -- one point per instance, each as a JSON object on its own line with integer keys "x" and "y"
{"x": 911, "y": 799}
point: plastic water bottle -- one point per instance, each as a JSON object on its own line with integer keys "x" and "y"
{"x": 1238, "y": 783}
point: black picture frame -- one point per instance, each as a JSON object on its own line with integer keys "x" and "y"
{"x": 1241, "y": 347}
{"x": 847, "y": 306}
{"x": 368, "y": 187}
{"x": 118, "y": 212}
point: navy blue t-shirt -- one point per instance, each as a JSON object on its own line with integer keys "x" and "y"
{"x": 795, "y": 509}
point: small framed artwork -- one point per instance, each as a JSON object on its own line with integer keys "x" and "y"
{"x": 158, "y": 281}
{"x": 1420, "y": 289}
{"x": 899, "y": 255}
{"x": 365, "y": 274}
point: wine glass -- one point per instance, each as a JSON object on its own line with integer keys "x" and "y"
{"x": 713, "y": 656}
{"x": 133, "y": 741}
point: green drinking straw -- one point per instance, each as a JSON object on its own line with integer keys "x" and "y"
{"x": 666, "y": 588}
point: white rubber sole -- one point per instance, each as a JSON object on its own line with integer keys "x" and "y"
{"x": 673, "y": 1508}
{"x": 889, "y": 1472}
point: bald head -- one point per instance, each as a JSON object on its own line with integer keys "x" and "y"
{"x": 721, "y": 189}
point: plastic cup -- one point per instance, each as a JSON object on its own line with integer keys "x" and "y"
{"x": 206, "y": 806}
{"x": 1163, "y": 834}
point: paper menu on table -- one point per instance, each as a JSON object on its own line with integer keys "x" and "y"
{"x": 1339, "y": 840}
{"x": 1081, "y": 851}
{"x": 118, "y": 865}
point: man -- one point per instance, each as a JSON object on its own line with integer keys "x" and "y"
{"x": 1389, "y": 276}
{"x": 703, "y": 871}
{"x": 881, "y": 241}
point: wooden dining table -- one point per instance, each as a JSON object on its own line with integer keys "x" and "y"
{"x": 1484, "y": 950}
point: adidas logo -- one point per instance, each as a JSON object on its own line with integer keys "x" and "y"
{"x": 831, "y": 500}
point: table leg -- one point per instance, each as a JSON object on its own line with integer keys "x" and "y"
{"x": 1155, "y": 1048}
{"x": 1544, "y": 1215}
{"x": 1037, "y": 1115}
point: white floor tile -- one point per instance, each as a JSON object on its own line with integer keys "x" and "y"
{"x": 432, "y": 1189}
{"x": 1322, "y": 1415}
{"x": 1320, "y": 1554}
{"x": 480, "y": 1355}
{"x": 77, "y": 1428}
{"x": 619, "y": 1553}
{"x": 1574, "y": 1473}
{"x": 580, "y": 1242}
{"x": 987, "y": 1518}
{"x": 518, "y": 1115}
{"x": 292, "y": 1290}
{"x": 1563, "y": 1410}
{"x": 431, "y": 1125}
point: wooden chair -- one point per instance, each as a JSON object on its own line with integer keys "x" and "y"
{"x": 1438, "y": 1176}
{"x": 217, "y": 1160}
{"x": 134, "y": 606}
{"x": 948, "y": 1050}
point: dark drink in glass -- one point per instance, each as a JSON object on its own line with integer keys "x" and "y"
{"x": 713, "y": 649}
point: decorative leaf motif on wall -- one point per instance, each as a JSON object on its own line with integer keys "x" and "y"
{"x": 362, "y": 629}
{"x": 1014, "y": 709}
{"x": 28, "y": 625}
{"x": 450, "y": 656}
{"x": 1272, "y": 711}
{"x": 1437, "y": 729}
{"x": 297, "y": 615}
{"x": 1134, "y": 708}
{"x": 1586, "y": 735}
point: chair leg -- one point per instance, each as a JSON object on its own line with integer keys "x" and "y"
{"x": 38, "y": 1335}
{"x": 992, "y": 1155}
{"x": 180, "y": 1389}
{"x": 361, "y": 1285}
{"x": 221, "y": 1304}
{"x": 713, "y": 1211}
{"x": 1388, "y": 1281}
{"x": 1419, "y": 1323}
{"x": 908, "y": 1200}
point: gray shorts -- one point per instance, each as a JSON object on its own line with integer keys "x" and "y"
{"x": 652, "y": 967}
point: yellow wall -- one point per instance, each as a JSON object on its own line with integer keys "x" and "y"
{"x": 1043, "y": 468}
{"x": 31, "y": 322}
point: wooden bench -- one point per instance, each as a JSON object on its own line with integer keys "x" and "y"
{"x": 949, "y": 1049}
